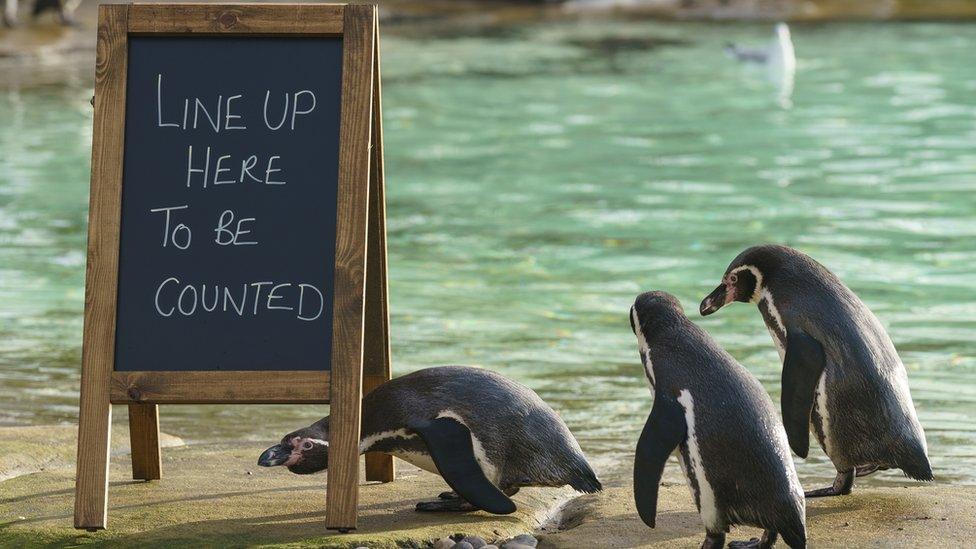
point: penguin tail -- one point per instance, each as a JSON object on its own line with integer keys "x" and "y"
{"x": 583, "y": 479}
{"x": 919, "y": 470}
{"x": 913, "y": 460}
{"x": 794, "y": 531}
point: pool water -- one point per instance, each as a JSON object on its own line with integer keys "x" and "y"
{"x": 541, "y": 175}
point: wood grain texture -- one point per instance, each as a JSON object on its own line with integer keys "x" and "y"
{"x": 347, "y": 335}
{"x": 144, "y": 441}
{"x": 204, "y": 19}
{"x": 101, "y": 276}
{"x": 228, "y": 387}
{"x": 376, "y": 349}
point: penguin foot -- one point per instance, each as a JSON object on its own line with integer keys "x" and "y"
{"x": 869, "y": 469}
{"x": 456, "y": 505}
{"x": 767, "y": 542}
{"x": 843, "y": 485}
{"x": 713, "y": 541}
{"x": 448, "y": 495}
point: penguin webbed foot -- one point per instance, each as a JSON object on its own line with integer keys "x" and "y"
{"x": 766, "y": 542}
{"x": 713, "y": 541}
{"x": 869, "y": 469}
{"x": 842, "y": 486}
{"x": 448, "y": 495}
{"x": 456, "y": 505}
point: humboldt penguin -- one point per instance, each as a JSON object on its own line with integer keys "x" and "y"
{"x": 486, "y": 435}
{"x": 842, "y": 377}
{"x": 731, "y": 444}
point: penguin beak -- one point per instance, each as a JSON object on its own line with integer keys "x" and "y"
{"x": 715, "y": 300}
{"x": 276, "y": 455}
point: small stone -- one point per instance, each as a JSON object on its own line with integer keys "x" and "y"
{"x": 444, "y": 543}
{"x": 490, "y": 547}
{"x": 526, "y": 539}
{"x": 463, "y": 545}
{"x": 515, "y": 545}
{"x": 249, "y": 473}
{"x": 475, "y": 541}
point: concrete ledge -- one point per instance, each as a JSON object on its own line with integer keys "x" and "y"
{"x": 25, "y": 450}
{"x": 915, "y": 515}
{"x": 217, "y": 496}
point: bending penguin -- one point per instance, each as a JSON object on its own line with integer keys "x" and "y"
{"x": 486, "y": 435}
{"x": 731, "y": 445}
{"x": 842, "y": 377}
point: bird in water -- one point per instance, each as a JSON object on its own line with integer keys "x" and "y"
{"x": 778, "y": 58}
{"x": 63, "y": 8}
{"x": 486, "y": 435}
{"x": 842, "y": 377}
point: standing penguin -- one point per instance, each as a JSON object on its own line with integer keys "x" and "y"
{"x": 732, "y": 447}
{"x": 486, "y": 435}
{"x": 842, "y": 377}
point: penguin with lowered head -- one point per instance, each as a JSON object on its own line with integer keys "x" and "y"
{"x": 842, "y": 377}
{"x": 486, "y": 435}
{"x": 731, "y": 444}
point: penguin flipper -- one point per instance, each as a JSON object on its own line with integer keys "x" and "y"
{"x": 450, "y": 446}
{"x": 663, "y": 432}
{"x": 802, "y": 367}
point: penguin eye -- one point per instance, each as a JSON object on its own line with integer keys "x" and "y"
{"x": 307, "y": 445}
{"x": 733, "y": 278}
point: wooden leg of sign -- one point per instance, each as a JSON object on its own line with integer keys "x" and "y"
{"x": 144, "y": 441}
{"x": 101, "y": 283}
{"x": 94, "y": 434}
{"x": 355, "y": 135}
{"x": 376, "y": 354}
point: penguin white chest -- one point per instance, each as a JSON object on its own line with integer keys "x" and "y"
{"x": 418, "y": 459}
{"x": 820, "y": 418}
{"x": 694, "y": 465}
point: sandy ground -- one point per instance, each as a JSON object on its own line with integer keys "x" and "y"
{"x": 216, "y": 495}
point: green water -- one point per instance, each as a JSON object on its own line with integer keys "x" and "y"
{"x": 542, "y": 175}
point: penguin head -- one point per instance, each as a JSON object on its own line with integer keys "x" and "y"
{"x": 745, "y": 277}
{"x": 303, "y": 452}
{"x": 651, "y": 313}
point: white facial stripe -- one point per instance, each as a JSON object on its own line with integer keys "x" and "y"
{"x": 754, "y": 298}
{"x": 487, "y": 467}
{"x": 366, "y": 443}
{"x": 319, "y": 441}
{"x": 773, "y": 311}
{"x": 706, "y": 497}
{"x": 643, "y": 349}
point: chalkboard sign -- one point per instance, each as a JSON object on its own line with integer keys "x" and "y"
{"x": 237, "y": 239}
{"x": 229, "y": 192}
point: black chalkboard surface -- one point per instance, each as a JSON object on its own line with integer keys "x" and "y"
{"x": 228, "y": 222}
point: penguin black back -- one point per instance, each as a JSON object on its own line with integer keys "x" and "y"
{"x": 732, "y": 445}
{"x": 841, "y": 373}
{"x": 486, "y": 435}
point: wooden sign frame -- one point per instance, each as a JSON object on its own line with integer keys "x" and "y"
{"x": 360, "y": 292}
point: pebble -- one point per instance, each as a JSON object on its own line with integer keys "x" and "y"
{"x": 514, "y": 545}
{"x": 475, "y": 541}
{"x": 463, "y": 545}
{"x": 444, "y": 543}
{"x": 490, "y": 547}
{"x": 526, "y": 539}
